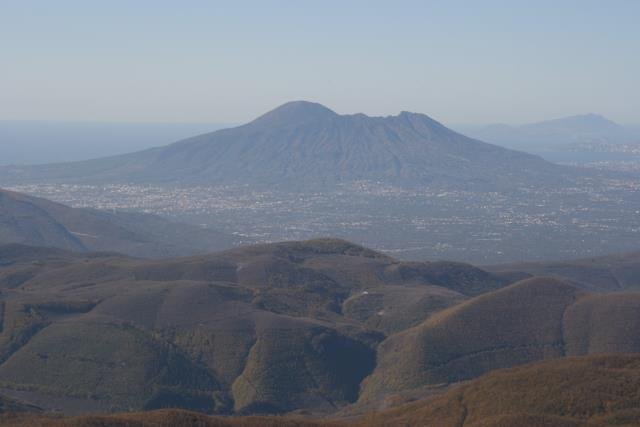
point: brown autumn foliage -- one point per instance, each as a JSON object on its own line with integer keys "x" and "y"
{"x": 576, "y": 391}
{"x": 264, "y": 329}
{"x": 161, "y": 418}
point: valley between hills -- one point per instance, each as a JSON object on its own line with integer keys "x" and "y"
{"x": 562, "y": 393}
{"x": 321, "y": 329}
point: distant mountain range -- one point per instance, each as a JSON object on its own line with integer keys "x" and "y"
{"x": 303, "y": 143}
{"x": 574, "y": 131}
{"x": 36, "y": 221}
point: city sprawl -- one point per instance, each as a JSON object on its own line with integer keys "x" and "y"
{"x": 590, "y": 217}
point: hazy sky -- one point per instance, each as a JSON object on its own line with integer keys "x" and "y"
{"x": 218, "y": 61}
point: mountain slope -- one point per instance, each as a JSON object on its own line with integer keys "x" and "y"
{"x": 601, "y": 274}
{"x": 41, "y": 141}
{"x": 40, "y": 222}
{"x": 160, "y": 418}
{"x": 267, "y": 328}
{"x": 565, "y": 132}
{"x": 318, "y": 326}
{"x": 302, "y": 143}
{"x": 578, "y": 391}
{"x": 532, "y": 320}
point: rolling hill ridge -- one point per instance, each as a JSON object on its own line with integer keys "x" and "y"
{"x": 262, "y": 329}
{"x": 612, "y": 273}
{"x": 565, "y": 132}
{"x": 531, "y": 320}
{"x": 318, "y": 326}
{"x": 40, "y": 222}
{"x": 572, "y": 392}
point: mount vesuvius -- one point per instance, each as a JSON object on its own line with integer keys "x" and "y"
{"x": 303, "y": 143}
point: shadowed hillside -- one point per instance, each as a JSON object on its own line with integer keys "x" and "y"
{"x": 319, "y": 326}
{"x": 36, "y": 221}
{"x": 607, "y": 273}
{"x": 532, "y": 320}
{"x": 164, "y": 418}
{"x": 570, "y": 392}
{"x": 262, "y": 329}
